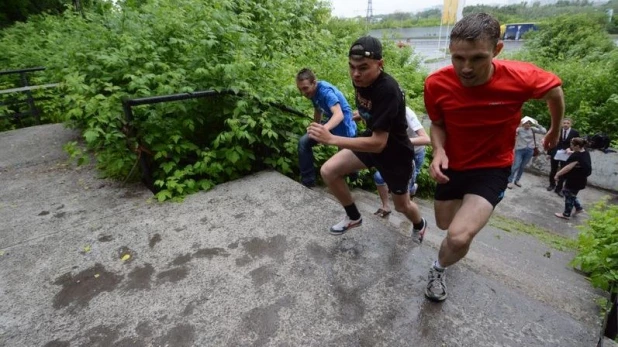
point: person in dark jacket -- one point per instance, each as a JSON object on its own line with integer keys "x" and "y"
{"x": 575, "y": 173}
{"x": 566, "y": 135}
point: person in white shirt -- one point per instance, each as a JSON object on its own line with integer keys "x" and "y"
{"x": 419, "y": 139}
{"x": 525, "y": 142}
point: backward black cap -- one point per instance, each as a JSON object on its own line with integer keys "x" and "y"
{"x": 368, "y": 47}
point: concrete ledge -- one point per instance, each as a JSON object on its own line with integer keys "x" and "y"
{"x": 604, "y": 169}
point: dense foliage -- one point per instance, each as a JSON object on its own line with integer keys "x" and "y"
{"x": 598, "y": 247}
{"x": 162, "y": 47}
{"x": 586, "y": 59}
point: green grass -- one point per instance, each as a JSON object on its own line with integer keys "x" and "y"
{"x": 546, "y": 236}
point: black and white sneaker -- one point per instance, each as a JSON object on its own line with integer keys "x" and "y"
{"x": 341, "y": 227}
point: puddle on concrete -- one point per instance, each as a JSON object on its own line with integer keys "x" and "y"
{"x": 84, "y": 286}
{"x": 173, "y": 275}
{"x": 182, "y": 335}
{"x": 273, "y": 247}
{"x": 210, "y": 253}
{"x": 101, "y": 335}
{"x": 57, "y": 343}
{"x": 140, "y": 277}
{"x": 351, "y": 306}
{"x": 130, "y": 342}
{"x": 126, "y": 255}
{"x": 263, "y": 275}
{"x": 156, "y": 238}
{"x": 264, "y": 321}
{"x": 43, "y": 213}
{"x": 60, "y": 214}
{"x": 182, "y": 259}
{"x": 105, "y": 238}
{"x": 144, "y": 329}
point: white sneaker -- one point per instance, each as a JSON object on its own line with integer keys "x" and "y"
{"x": 341, "y": 227}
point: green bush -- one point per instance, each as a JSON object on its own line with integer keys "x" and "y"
{"x": 165, "y": 47}
{"x": 597, "y": 253}
{"x": 578, "y": 50}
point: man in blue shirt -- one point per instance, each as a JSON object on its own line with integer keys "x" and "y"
{"x": 330, "y": 109}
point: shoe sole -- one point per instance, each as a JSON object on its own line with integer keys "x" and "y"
{"x": 434, "y": 298}
{"x": 560, "y": 215}
{"x": 337, "y": 232}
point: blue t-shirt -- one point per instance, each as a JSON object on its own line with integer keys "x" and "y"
{"x": 327, "y": 96}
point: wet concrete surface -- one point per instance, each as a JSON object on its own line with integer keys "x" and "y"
{"x": 251, "y": 263}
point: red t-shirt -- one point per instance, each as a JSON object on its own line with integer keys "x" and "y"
{"x": 480, "y": 121}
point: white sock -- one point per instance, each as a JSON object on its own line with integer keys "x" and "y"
{"x": 437, "y": 266}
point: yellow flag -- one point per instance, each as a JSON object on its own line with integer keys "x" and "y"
{"x": 449, "y": 11}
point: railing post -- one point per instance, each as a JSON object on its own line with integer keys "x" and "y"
{"x": 30, "y": 100}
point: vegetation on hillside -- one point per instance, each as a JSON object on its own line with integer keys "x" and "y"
{"x": 162, "y": 47}
{"x": 586, "y": 59}
{"x": 524, "y": 12}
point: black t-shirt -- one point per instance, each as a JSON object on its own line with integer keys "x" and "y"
{"x": 577, "y": 178}
{"x": 382, "y": 106}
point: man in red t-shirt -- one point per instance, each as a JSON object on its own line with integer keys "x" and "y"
{"x": 477, "y": 94}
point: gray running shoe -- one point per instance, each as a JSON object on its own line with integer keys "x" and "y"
{"x": 436, "y": 288}
{"x": 419, "y": 234}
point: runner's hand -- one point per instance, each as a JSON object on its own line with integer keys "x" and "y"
{"x": 439, "y": 163}
{"x": 318, "y": 132}
{"x": 551, "y": 139}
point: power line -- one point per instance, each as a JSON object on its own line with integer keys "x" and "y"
{"x": 369, "y": 11}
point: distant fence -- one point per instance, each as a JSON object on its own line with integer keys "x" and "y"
{"x": 26, "y": 89}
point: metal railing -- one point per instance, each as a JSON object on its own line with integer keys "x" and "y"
{"x": 27, "y": 89}
{"x": 130, "y": 130}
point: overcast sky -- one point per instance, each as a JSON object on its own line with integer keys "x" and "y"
{"x": 353, "y": 8}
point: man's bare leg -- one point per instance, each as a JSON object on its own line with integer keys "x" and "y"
{"x": 463, "y": 219}
{"x": 408, "y": 208}
{"x": 333, "y": 173}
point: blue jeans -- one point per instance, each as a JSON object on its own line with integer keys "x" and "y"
{"x": 570, "y": 201}
{"x": 305, "y": 160}
{"x": 419, "y": 158}
{"x": 522, "y": 158}
{"x": 377, "y": 178}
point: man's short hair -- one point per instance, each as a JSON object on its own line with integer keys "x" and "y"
{"x": 366, "y": 47}
{"x": 476, "y": 27}
{"x": 305, "y": 74}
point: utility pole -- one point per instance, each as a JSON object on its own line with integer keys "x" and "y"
{"x": 369, "y": 11}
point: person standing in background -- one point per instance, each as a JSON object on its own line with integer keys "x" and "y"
{"x": 566, "y": 135}
{"x": 525, "y": 143}
{"x": 575, "y": 173}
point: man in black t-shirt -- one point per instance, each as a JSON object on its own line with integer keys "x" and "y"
{"x": 386, "y": 146}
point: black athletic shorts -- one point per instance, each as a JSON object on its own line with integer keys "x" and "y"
{"x": 397, "y": 173}
{"x": 488, "y": 183}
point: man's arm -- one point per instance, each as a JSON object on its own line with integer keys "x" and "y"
{"x": 555, "y": 103}
{"x": 373, "y": 144}
{"x": 422, "y": 139}
{"x": 336, "y": 119}
{"x": 440, "y": 160}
